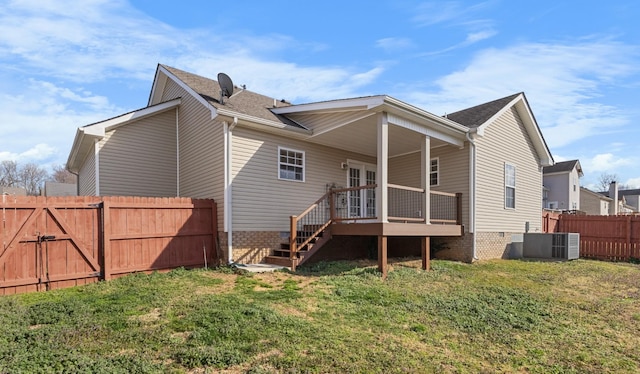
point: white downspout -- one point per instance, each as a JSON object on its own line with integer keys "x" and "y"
{"x": 96, "y": 152}
{"x": 228, "y": 211}
{"x": 472, "y": 194}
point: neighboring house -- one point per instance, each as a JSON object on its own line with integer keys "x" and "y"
{"x": 264, "y": 160}
{"x": 594, "y": 203}
{"x": 17, "y": 191}
{"x": 59, "y": 189}
{"x": 562, "y": 182}
{"x": 632, "y": 198}
{"x": 627, "y": 200}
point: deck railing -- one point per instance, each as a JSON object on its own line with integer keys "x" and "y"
{"x": 309, "y": 224}
{"x": 358, "y": 204}
{"x": 405, "y": 203}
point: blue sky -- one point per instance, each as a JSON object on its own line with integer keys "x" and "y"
{"x": 65, "y": 64}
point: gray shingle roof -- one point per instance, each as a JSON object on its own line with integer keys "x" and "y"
{"x": 629, "y": 192}
{"x": 479, "y": 114}
{"x": 241, "y": 101}
{"x": 560, "y": 167}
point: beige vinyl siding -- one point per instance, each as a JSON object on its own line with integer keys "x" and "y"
{"x": 405, "y": 170}
{"x": 506, "y": 141}
{"x": 139, "y": 159}
{"x": 454, "y": 174}
{"x": 87, "y": 176}
{"x": 201, "y": 143}
{"x": 262, "y": 202}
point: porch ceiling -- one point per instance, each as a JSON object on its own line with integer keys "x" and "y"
{"x": 361, "y": 137}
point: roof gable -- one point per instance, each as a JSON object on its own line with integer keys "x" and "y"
{"x": 563, "y": 167}
{"x": 207, "y": 91}
{"x": 479, "y": 117}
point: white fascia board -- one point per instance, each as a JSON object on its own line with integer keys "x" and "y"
{"x": 82, "y": 144}
{"x": 159, "y": 82}
{"x": 332, "y": 106}
{"x": 191, "y": 92}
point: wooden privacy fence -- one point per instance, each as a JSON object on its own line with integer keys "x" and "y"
{"x": 58, "y": 242}
{"x": 612, "y": 238}
{"x": 550, "y": 221}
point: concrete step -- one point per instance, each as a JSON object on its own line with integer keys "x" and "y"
{"x": 276, "y": 260}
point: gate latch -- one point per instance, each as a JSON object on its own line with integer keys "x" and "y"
{"x": 45, "y": 238}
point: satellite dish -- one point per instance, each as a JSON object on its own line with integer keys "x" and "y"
{"x": 226, "y": 86}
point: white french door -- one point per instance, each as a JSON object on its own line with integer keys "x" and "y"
{"x": 361, "y": 203}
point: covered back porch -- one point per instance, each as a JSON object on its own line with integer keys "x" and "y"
{"x": 383, "y": 196}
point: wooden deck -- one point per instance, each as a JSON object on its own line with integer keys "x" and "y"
{"x": 326, "y": 218}
{"x": 395, "y": 229}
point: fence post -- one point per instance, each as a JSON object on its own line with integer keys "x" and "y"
{"x": 214, "y": 232}
{"x": 106, "y": 240}
{"x": 628, "y": 239}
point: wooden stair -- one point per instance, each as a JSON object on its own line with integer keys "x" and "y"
{"x": 282, "y": 256}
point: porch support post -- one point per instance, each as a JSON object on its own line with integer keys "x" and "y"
{"x": 382, "y": 173}
{"x": 382, "y": 256}
{"x": 426, "y": 253}
{"x": 425, "y": 177}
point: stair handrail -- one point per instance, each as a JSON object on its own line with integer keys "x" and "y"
{"x": 293, "y": 237}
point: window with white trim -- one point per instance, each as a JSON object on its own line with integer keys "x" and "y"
{"x": 434, "y": 172}
{"x": 290, "y": 164}
{"x": 509, "y": 186}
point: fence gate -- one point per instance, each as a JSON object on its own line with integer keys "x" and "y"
{"x": 47, "y": 244}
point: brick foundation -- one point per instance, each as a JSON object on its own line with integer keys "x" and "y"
{"x": 491, "y": 245}
{"x": 453, "y": 248}
{"x": 251, "y": 247}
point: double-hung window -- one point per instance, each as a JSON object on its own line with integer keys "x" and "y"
{"x": 290, "y": 164}
{"x": 434, "y": 172}
{"x": 509, "y": 186}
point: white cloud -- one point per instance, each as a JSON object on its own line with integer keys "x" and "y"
{"x": 394, "y": 44}
{"x": 606, "y": 163}
{"x": 46, "y": 115}
{"x": 561, "y": 81}
{"x": 64, "y": 49}
{"x": 633, "y": 182}
{"x": 431, "y": 13}
{"x": 37, "y": 153}
{"x": 284, "y": 80}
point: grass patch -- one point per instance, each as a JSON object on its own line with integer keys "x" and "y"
{"x": 496, "y": 316}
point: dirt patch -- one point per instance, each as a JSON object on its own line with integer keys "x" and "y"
{"x": 227, "y": 285}
{"x": 151, "y": 317}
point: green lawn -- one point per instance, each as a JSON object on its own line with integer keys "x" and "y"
{"x": 496, "y": 316}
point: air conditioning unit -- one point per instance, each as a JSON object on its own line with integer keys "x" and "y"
{"x": 561, "y": 245}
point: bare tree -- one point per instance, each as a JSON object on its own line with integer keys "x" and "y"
{"x": 32, "y": 177}
{"x": 605, "y": 180}
{"x": 62, "y": 175}
{"x": 9, "y": 176}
